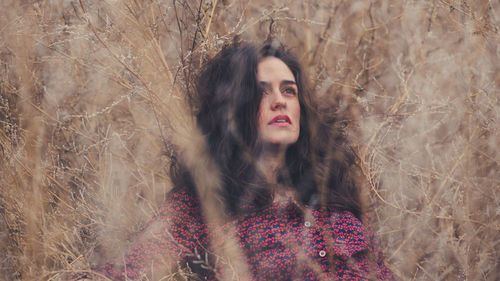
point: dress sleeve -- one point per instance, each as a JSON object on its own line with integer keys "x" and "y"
{"x": 383, "y": 272}
{"x": 165, "y": 242}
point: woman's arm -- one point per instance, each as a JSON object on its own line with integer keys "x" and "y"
{"x": 382, "y": 271}
{"x": 166, "y": 241}
{"x": 155, "y": 253}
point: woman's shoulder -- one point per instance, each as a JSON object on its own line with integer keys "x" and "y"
{"x": 181, "y": 210}
{"x": 180, "y": 218}
{"x": 180, "y": 202}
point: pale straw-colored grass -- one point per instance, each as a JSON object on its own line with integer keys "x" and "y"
{"x": 92, "y": 107}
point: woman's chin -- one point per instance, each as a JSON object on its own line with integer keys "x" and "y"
{"x": 278, "y": 143}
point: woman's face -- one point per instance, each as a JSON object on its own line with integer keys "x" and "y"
{"x": 279, "y": 111}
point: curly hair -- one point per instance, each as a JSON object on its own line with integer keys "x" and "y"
{"x": 319, "y": 166}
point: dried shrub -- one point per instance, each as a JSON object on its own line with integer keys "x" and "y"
{"x": 92, "y": 107}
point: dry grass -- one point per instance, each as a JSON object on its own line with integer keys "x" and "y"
{"x": 91, "y": 107}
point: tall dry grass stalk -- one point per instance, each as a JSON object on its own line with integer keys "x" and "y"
{"x": 92, "y": 107}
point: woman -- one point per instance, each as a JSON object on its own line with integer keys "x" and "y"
{"x": 287, "y": 183}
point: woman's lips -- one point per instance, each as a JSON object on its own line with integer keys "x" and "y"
{"x": 280, "y": 120}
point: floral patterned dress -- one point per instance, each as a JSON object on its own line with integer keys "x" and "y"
{"x": 279, "y": 242}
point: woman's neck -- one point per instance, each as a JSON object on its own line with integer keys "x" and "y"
{"x": 269, "y": 161}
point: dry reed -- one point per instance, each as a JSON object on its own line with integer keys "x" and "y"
{"x": 92, "y": 107}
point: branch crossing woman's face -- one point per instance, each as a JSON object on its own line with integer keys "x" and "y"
{"x": 279, "y": 111}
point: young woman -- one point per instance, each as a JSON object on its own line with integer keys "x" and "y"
{"x": 287, "y": 183}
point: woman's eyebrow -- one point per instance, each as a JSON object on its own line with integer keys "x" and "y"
{"x": 284, "y": 82}
{"x": 288, "y": 82}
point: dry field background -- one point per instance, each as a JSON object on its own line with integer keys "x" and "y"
{"x": 91, "y": 108}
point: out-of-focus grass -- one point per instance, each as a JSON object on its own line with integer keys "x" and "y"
{"x": 91, "y": 108}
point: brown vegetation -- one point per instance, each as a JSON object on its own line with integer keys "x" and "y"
{"x": 91, "y": 108}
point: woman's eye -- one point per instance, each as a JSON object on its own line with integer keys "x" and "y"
{"x": 264, "y": 90}
{"x": 290, "y": 91}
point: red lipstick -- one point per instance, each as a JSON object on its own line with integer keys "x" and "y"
{"x": 280, "y": 120}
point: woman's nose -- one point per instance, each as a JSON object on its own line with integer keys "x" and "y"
{"x": 278, "y": 101}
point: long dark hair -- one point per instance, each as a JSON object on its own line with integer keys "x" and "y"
{"x": 319, "y": 166}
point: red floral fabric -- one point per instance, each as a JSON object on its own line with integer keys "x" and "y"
{"x": 278, "y": 242}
